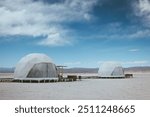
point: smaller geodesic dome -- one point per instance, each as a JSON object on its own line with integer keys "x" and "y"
{"x": 35, "y": 65}
{"x": 111, "y": 70}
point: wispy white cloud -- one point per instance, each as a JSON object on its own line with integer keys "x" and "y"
{"x": 58, "y": 38}
{"x": 36, "y": 18}
{"x": 116, "y": 30}
{"x": 101, "y": 62}
{"x": 134, "y": 50}
{"x": 142, "y": 62}
{"x": 142, "y": 9}
{"x": 136, "y": 63}
{"x": 139, "y": 34}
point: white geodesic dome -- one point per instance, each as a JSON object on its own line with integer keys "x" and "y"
{"x": 35, "y": 65}
{"x": 111, "y": 69}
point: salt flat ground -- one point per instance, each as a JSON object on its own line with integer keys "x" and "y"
{"x": 87, "y": 89}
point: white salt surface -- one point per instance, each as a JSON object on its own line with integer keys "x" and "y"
{"x": 91, "y": 89}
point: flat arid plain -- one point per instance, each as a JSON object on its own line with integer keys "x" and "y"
{"x": 136, "y": 88}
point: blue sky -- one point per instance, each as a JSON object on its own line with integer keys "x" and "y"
{"x": 76, "y": 33}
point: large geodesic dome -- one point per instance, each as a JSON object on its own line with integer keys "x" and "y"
{"x": 111, "y": 70}
{"x": 35, "y": 65}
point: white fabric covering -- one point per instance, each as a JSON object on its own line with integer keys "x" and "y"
{"x": 111, "y": 69}
{"x": 39, "y": 64}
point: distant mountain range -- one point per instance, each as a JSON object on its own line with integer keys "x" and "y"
{"x": 81, "y": 70}
{"x": 86, "y": 70}
{"x": 95, "y": 70}
{"x": 138, "y": 69}
{"x": 6, "y": 70}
